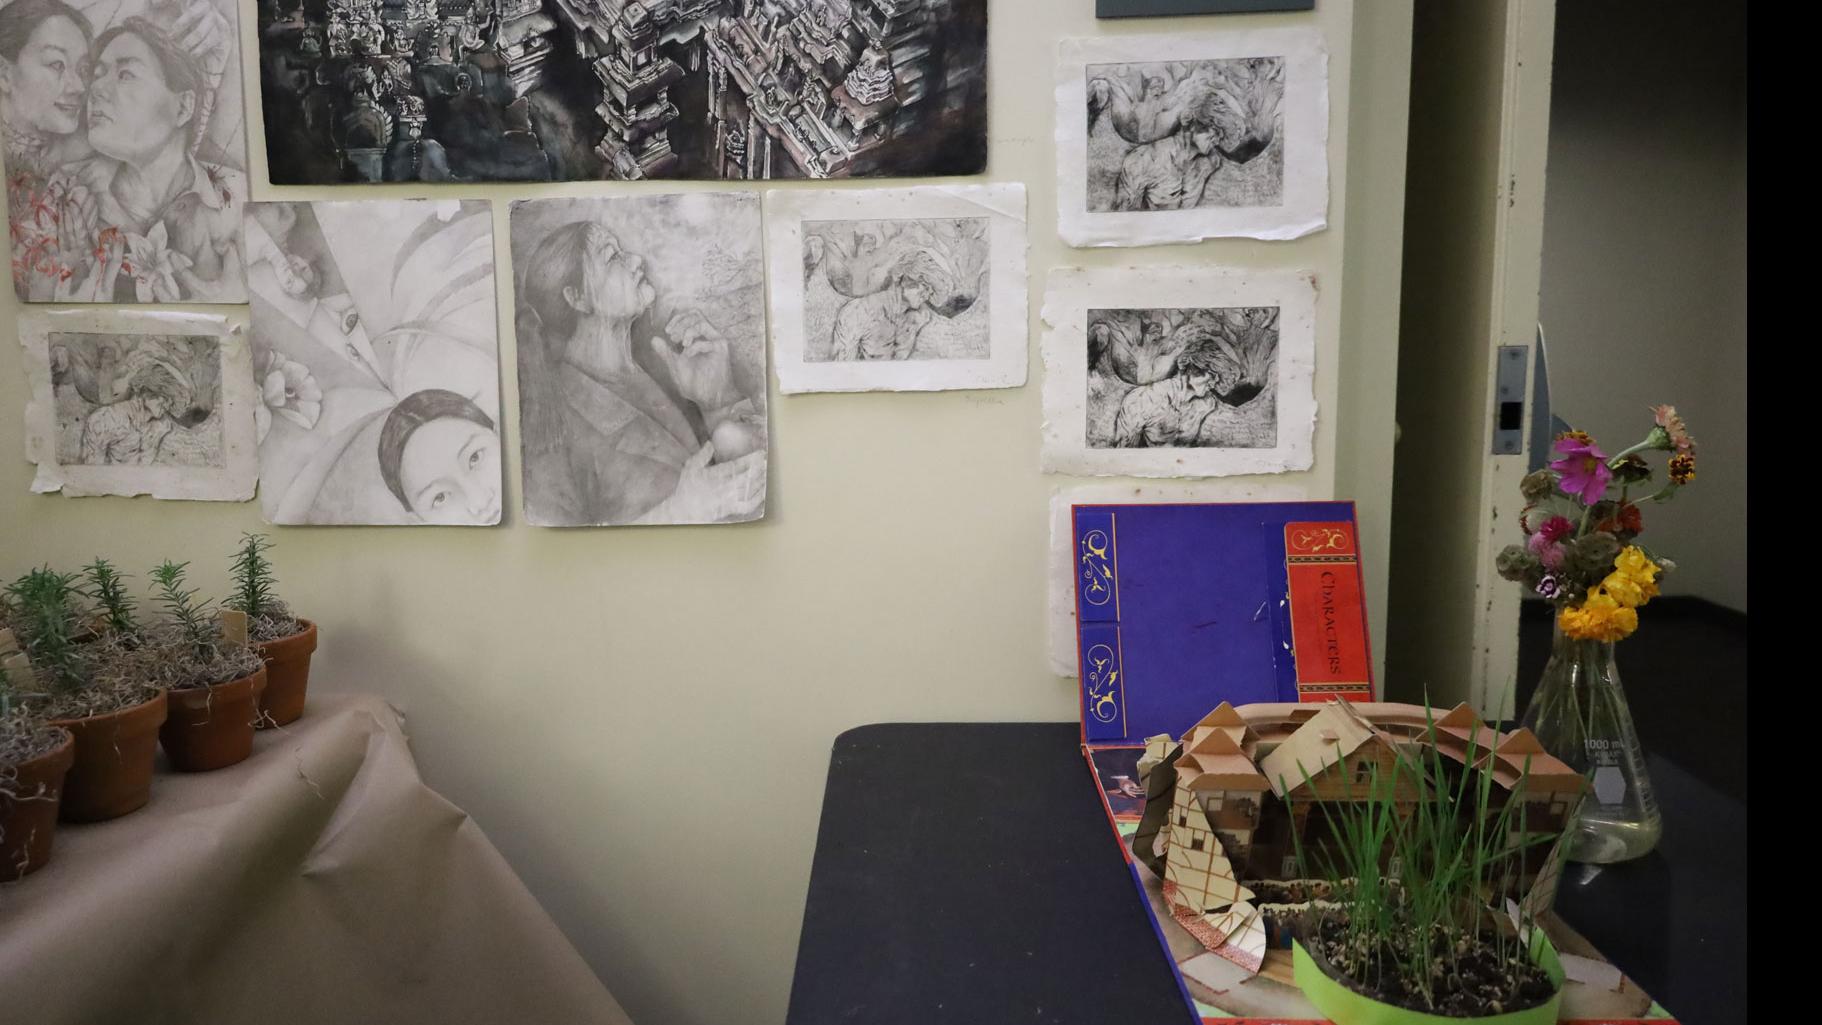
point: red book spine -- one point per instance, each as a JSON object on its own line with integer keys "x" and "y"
{"x": 1328, "y": 617}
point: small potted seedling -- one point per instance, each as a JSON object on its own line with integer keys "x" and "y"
{"x": 1417, "y": 937}
{"x": 283, "y": 640}
{"x": 34, "y": 758}
{"x": 115, "y": 716}
{"x": 89, "y": 682}
{"x": 213, "y": 676}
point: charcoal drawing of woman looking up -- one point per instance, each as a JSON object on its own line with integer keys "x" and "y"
{"x": 628, "y": 422}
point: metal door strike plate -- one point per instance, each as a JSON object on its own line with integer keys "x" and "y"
{"x": 1509, "y": 401}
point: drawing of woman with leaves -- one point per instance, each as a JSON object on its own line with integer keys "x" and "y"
{"x": 164, "y": 226}
{"x": 374, "y": 339}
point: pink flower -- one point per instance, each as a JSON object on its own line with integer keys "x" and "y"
{"x": 1547, "y": 544}
{"x": 1583, "y": 468}
{"x": 1555, "y": 529}
{"x": 1675, "y": 430}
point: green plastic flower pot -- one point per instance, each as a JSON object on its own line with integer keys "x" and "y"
{"x": 1343, "y": 1006}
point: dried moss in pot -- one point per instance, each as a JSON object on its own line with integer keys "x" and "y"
{"x": 24, "y": 736}
{"x": 34, "y": 758}
{"x": 177, "y": 663}
{"x": 117, "y": 678}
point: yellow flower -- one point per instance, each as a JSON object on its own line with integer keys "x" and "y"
{"x": 1634, "y": 563}
{"x": 1599, "y": 618}
{"x": 1633, "y": 581}
{"x": 1623, "y": 589}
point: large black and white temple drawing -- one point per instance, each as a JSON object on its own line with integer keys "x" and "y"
{"x": 529, "y": 90}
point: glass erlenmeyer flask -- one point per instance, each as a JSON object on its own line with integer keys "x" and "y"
{"x": 1579, "y": 714}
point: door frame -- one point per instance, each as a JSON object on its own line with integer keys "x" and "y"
{"x": 1472, "y": 267}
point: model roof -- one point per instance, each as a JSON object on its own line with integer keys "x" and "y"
{"x": 1216, "y": 758}
{"x": 1515, "y": 755}
{"x": 1333, "y": 733}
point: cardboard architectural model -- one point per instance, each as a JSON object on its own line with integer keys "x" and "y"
{"x": 1229, "y": 806}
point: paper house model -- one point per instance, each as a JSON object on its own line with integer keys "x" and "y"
{"x": 1229, "y": 804}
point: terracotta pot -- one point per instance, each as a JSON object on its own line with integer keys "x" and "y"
{"x": 28, "y": 820}
{"x": 212, "y": 727}
{"x": 114, "y": 753}
{"x": 287, "y": 674}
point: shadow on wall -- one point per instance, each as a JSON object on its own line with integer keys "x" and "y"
{"x": 1644, "y": 259}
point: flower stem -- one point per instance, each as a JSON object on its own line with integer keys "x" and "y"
{"x": 1613, "y": 462}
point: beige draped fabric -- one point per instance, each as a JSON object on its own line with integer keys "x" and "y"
{"x": 318, "y": 881}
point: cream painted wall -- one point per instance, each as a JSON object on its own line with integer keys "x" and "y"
{"x": 1644, "y": 292}
{"x": 640, "y": 718}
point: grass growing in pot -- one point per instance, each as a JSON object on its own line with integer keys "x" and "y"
{"x": 214, "y": 681}
{"x": 1417, "y": 925}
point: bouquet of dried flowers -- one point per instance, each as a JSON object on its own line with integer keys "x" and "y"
{"x": 1582, "y": 520}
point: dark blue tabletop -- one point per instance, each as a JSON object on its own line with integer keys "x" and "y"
{"x": 967, "y": 873}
